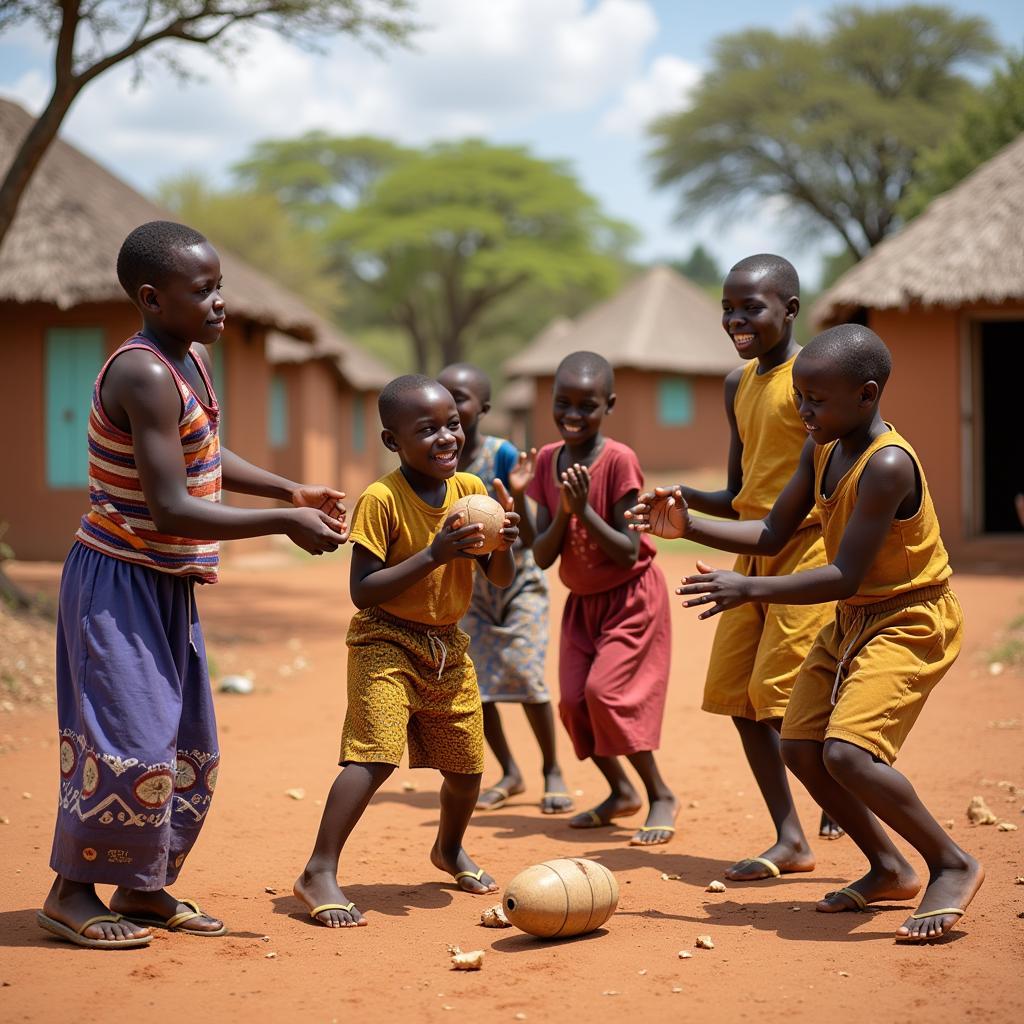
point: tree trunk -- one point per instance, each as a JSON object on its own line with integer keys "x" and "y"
{"x": 31, "y": 151}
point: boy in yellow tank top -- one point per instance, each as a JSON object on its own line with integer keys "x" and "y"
{"x": 896, "y": 631}
{"x": 759, "y": 647}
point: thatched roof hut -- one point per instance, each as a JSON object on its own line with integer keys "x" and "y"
{"x": 966, "y": 247}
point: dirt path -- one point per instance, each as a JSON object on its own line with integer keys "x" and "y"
{"x": 774, "y": 958}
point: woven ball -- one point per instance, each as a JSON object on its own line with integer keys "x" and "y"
{"x": 479, "y": 508}
{"x": 559, "y": 898}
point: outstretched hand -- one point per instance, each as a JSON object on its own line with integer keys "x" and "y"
{"x": 720, "y": 588}
{"x": 510, "y": 529}
{"x": 520, "y": 475}
{"x": 662, "y": 512}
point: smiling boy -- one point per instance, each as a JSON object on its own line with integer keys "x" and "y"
{"x": 139, "y": 756}
{"x": 410, "y": 677}
{"x": 897, "y": 627}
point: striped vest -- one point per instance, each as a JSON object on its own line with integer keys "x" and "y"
{"x": 119, "y": 523}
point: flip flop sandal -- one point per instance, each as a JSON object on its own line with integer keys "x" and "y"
{"x": 555, "y": 810}
{"x": 943, "y": 912}
{"x": 477, "y": 876}
{"x": 503, "y": 796}
{"x": 175, "y": 921}
{"x": 594, "y": 821}
{"x": 773, "y": 868}
{"x": 858, "y": 901}
{"x": 670, "y": 829}
{"x": 316, "y": 911}
{"x": 76, "y": 935}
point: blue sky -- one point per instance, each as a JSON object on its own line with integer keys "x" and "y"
{"x": 575, "y": 80}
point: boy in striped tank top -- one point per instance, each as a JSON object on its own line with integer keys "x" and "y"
{"x": 896, "y": 631}
{"x": 138, "y": 741}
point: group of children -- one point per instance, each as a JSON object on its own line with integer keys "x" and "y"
{"x": 836, "y": 622}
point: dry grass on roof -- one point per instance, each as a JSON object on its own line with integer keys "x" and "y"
{"x": 966, "y": 246}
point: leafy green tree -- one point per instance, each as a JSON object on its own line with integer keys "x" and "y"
{"x": 256, "y": 226}
{"x": 443, "y": 242}
{"x": 993, "y": 120}
{"x": 700, "y": 267}
{"x": 830, "y": 123}
{"x": 92, "y": 36}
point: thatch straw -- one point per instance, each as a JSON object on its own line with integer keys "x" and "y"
{"x": 660, "y": 321}
{"x": 967, "y": 246}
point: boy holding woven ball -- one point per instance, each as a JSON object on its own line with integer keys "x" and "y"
{"x": 410, "y": 677}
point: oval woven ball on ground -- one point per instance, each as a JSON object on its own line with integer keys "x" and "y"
{"x": 563, "y": 897}
{"x": 479, "y": 508}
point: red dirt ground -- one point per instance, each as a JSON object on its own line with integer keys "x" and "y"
{"x": 774, "y": 958}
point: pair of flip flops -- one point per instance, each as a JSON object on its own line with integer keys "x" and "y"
{"x": 860, "y": 904}
{"x": 504, "y": 795}
{"x": 594, "y": 820}
{"x": 172, "y": 923}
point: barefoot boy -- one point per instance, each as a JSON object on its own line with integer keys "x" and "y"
{"x": 409, "y": 673}
{"x": 616, "y": 632}
{"x": 508, "y": 629}
{"x": 758, "y": 647}
{"x": 896, "y": 631}
{"x": 138, "y": 741}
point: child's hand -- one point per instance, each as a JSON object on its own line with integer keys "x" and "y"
{"x": 575, "y": 489}
{"x": 314, "y": 530}
{"x": 520, "y": 475}
{"x": 663, "y": 512}
{"x": 510, "y": 531}
{"x": 720, "y": 588}
{"x": 455, "y": 540}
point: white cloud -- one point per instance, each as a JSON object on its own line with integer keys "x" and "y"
{"x": 665, "y": 86}
{"x": 476, "y": 68}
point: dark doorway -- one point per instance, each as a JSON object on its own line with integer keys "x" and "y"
{"x": 1001, "y": 419}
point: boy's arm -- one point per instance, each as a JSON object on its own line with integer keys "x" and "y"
{"x": 372, "y": 583}
{"x": 500, "y": 565}
{"x": 519, "y": 478}
{"x": 719, "y": 503}
{"x": 141, "y": 386}
{"x": 547, "y": 545}
{"x": 888, "y": 479}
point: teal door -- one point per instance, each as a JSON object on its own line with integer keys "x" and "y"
{"x": 73, "y": 356}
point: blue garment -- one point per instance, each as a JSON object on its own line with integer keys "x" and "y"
{"x": 138, "y": 738}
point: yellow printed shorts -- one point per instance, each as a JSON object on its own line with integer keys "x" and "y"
{"x": 868, "y": 674}
{"x": 759, "y": 648}
{"x": 408, "y": 681}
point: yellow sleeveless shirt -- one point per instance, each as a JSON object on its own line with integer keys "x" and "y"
{"x": 912, "y": 554}
{"x": 773, "y": 436}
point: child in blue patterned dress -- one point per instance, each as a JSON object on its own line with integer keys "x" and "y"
{"x": 508, "y": 628}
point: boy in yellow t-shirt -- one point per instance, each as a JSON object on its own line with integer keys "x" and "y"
{"x": 409, "y": 674}
{"x": 896, "y": 631}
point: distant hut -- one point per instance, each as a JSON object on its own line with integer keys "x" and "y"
{"x": 664, "y": 339}
{"x": 947, "y": 296}
{"x": 62, "y": 311}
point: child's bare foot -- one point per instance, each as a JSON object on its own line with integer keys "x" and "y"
{"x": 618, "y": 805}
{"x": 468, "y": 877}
{"x": 659, "y": 828}
{"x": 493, "y": 797}
{"x": 877, "y": 885}
{"x": 160, "y": 909}
{"x": 320, "y": 890}
{"x": 557, "y": 798}
{"x": 73, "y": 903}
{"x": 785, "y": 858}
{"x": 950, "y": 890}
{"x": 829, "y": 829}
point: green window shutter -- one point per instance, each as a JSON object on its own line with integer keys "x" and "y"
{"x": 277, "y": 413}
{"x": 358, "y": 422}
{"x": 675, "y": 402}
{"x": 73, "y": 358}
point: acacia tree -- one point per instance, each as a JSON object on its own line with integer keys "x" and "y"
{"x": 831, "y": 123}
{"x": 92, "y": 36}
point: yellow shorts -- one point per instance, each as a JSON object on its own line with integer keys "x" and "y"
{"x": 867, "y": 676}
{"x": 410, "y": 681}
{"x": 759, "y": 648}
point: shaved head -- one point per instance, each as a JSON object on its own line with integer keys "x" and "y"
{"x": 853, "y": 352}
{"x": 587, "y": 366}
{"x": 775, "y": 272}
{"x": 396, "y": 397}
{"x": 468, "y": 375}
